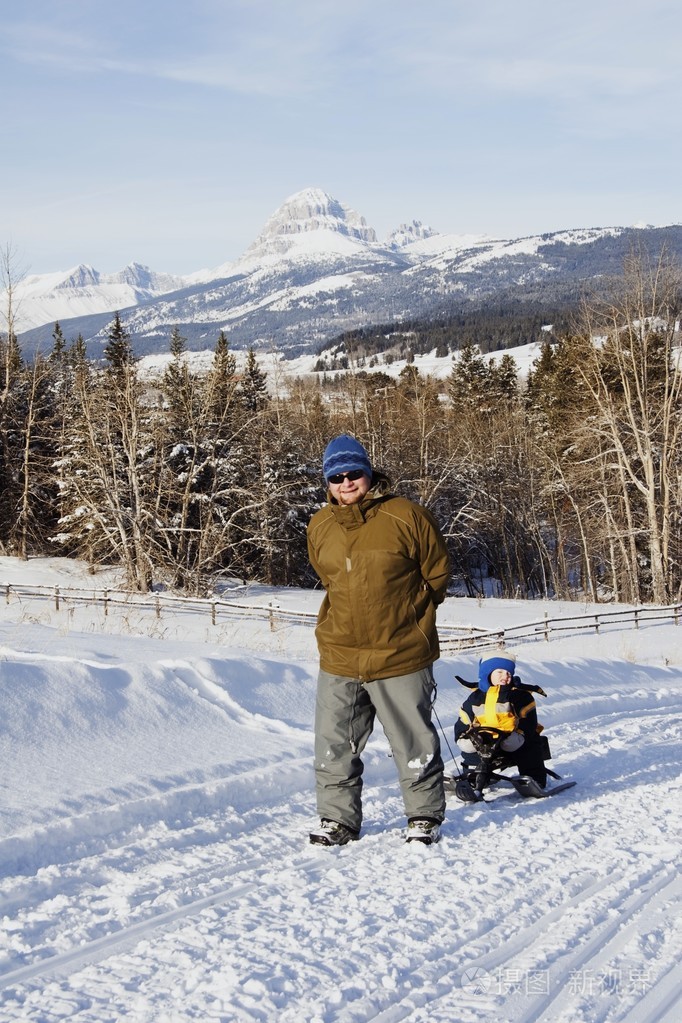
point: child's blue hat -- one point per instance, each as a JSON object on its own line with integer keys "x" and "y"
{"x": 486, "y": 668}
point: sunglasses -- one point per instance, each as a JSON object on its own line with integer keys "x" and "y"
{"x": 339, "y": 477}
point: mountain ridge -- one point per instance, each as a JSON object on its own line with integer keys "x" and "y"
{"x": 316, "y": 270}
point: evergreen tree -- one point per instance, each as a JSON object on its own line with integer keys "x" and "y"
{"x": 224, "y": 362}
{"x": 36, "y": 503}
{"x": 503, "y": 380}
{"x": 222, "y": 382}
{"x": 253, "y": 390}
{"x": 78, "y": 353}
{"x": 554, "y": 391}
{"x": 178, "y": 388}
{"x": 469, "y": 382}
{"x": 58, "y": 353}
{"x": 118, "y": 350}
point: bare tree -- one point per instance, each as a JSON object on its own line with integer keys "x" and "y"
{"x": 110, "y": 474}
{"x": 631, "y": 373}
{"x": 11, "y": 275}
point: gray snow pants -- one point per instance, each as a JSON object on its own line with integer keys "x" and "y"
{"x": 344, "y": 719}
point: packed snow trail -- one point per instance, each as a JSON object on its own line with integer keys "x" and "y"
{"x": 154, "y": 863}
{"x": 241, "y": 920}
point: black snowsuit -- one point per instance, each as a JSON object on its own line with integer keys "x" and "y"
{"x": 530, "y": 757}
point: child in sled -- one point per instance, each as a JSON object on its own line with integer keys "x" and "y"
{"x": 502, "y": 703}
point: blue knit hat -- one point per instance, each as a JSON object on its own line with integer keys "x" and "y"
{"x": 486, "y": 668}
{"x": 343, "y": 454}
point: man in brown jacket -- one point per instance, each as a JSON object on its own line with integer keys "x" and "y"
{"x": 384, "y": 565}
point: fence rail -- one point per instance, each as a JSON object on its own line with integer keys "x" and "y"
{"x": 453, "y": 637}
{"x": 159, "y": 603}
{"x": 636, "y": 617}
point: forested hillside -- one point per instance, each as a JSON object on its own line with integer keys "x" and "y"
{"x": 494, "y": 326}
{"x": 570, "y": 485}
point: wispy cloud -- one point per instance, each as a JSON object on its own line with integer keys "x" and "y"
{"x": 527, "y": 48}
{"x": 402, "y": 108}
{"x": 245, "y": 59}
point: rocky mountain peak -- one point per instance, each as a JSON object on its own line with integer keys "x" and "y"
{"x": 141, "y": 278}
{"x": 134, "y": 274}
{"x": 308, "y": 212}
{"x": 408, "y": 233}
{"x": 81, "y": 276}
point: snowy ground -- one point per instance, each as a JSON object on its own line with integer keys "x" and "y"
{"x": 280, "y": 370}
{"x": 156, "y": 795}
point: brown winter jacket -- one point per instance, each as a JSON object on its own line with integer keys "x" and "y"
{"x": 384, "y": 565}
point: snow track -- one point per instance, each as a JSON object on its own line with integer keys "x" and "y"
{"x": 182, "y": 889}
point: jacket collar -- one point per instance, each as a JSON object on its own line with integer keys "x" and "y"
{"x": 352, "y": 515}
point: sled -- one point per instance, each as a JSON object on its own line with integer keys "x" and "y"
{"x": 472, "y": 783}
{"x": 523, "y": 785}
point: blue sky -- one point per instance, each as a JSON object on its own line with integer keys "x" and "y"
{"x": 168, "y": 132}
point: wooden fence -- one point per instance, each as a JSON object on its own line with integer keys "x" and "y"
{"x": 547, "y": 628}
{"x": 453, "y": 637}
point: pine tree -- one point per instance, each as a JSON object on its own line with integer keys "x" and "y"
{"x": 78, "y": 353}
{"x": 118, "y": 350}
{"x": 469, "y": 382}
{"x": 253, "y": 390}
{"x": 222, "y": 382}
{"x": 36, "y": 498}
{"x": 554, "y": 389}
{"x": 58, "y": 353}
{"x": 178, "y": 387}
{"x": 503, "y": 380}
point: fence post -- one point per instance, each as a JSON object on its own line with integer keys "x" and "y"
{"x": 636, "y": 618}
{"x": 271, "y": 616}
{"x": 7, "y": 590}
{"x": 546, "y": 626}
{"x": 596, "y": 624}
{"x": 157, "y": 603}
{"x": 56, "y": 598}
{"x": 213, "y": 612}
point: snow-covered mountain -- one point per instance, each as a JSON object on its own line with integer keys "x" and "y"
{"x": 82, "y": 291}
{"x": 315, "y": 270}
{"x": 408, "y": 233}
{"x": 310, "y": 223}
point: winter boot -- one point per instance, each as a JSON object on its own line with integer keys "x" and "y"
{"x": 424, "y": 830}
{"x": 332, "y": 833}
